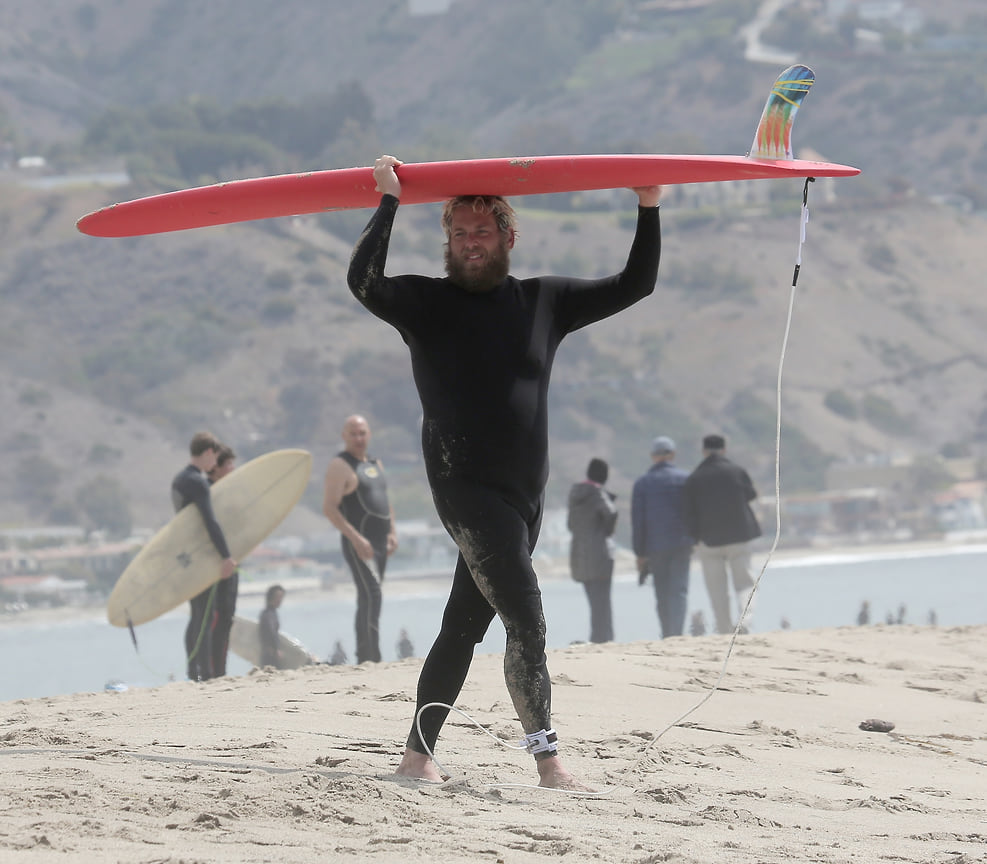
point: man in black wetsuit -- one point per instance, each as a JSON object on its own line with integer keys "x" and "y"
{"x": 482, "y": 345}
{"x": 191, "y": 486}
{"x": 268, "y": 628}
{"x": 356, "y": 503}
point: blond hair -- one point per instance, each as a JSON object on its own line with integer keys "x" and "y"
{"x": 494, "y": 205}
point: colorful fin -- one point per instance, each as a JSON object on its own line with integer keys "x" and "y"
{"x": 773, "y": 139}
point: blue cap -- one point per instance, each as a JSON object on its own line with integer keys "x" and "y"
{"x": 662, "y": 444}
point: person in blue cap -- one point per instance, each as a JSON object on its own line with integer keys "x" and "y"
{"x": 659, "y": 535}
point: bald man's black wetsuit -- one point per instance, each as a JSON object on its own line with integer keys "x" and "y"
{"x": 367, "y": 509}
{"x": 481, "y": 362}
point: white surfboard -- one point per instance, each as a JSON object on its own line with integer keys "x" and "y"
{"x": 245, "y": 643}
{"x": 180, "y": 561}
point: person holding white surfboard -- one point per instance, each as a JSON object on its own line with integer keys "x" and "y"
{"x": 482, "y": 344}
{"x": 269, "y": 626}
{"x": 355, "y": 502}
{"x": 191, "y": 486}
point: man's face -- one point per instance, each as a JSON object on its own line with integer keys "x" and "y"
{"x": 356, "y": 436}
{"x": 477, "y": 254}
{"x": 208, "y": 460}
{"x": 220, "y": 471}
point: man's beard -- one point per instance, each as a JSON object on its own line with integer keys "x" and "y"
{"x": 486, "y": 278}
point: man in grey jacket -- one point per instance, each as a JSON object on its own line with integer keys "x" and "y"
{"x": 592, "y": 519}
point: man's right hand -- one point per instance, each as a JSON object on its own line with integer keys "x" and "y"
{"x": 227, "y": 568}
{"x": 386, "y": 177}
{"x": 648, "y": 196}
{"x": 361, "y": 545}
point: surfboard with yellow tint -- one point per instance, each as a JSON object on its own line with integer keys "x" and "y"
{"x": 180, "y": 561}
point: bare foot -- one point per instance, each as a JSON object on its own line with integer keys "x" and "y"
{"x": 553, "y": 776}
{"x": 418, "y": 766}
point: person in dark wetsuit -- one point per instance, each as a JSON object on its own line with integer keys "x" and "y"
{"x": 269, "y": 627}
{"x": 224, "y": 605}
{"x": 355, "y": 502}
{"x": 191, "y": 486}
{"x": 482, "y": 345}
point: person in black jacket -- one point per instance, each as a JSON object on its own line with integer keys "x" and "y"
{"x": 716, "y": 498}
{"x": 592, "y": 519}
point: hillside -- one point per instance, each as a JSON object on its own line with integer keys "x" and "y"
{"x": 114, "y": 352}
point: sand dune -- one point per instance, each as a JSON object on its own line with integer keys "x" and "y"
{"x": 298, "y": 766}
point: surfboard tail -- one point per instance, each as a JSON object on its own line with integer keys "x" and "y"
{"x": 773, "y": 138}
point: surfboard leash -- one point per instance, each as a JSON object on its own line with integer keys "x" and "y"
{"x": 803, "y": 222}
{"x": 207, "y": 613}
{"x": 802, "y": 226}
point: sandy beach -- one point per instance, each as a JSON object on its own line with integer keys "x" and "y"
{"x": 298, "y": 766}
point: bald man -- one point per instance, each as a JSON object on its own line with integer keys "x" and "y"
{"x": 355, "y": 502}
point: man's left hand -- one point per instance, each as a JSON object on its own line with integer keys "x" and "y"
{"x": 386, "y": 177}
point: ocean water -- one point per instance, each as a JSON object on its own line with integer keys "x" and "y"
{"x": 84, "y": 654}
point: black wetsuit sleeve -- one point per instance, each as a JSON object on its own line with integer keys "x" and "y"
{"x": 194, "y": 489}
{"x": 584, "y": 301}
{"x": 212, "y": 526}
{"x": 398, "y": 300}
{"x": 366, "y": 271}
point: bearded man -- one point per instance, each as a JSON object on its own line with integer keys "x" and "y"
{"x": 482, "y": 344}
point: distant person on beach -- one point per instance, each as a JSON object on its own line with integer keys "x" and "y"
{"x": 697, "y": 623}
{"x": 404, "y": 647}
{"x": 191, "y": 486}
{"x": 659, "y": 537}
{"x": 863, "y": 616}
{"x": 338, "y": 657}
{"x": 482, "y": 344}
{"x": 356, "y": 503}
{"x": 717, "y": 496}
{"x": 226, "y": 589}
{"x": 269, "y": 628}
{"x": 592, "y": 518}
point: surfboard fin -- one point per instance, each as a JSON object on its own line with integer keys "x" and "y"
{"x": 773, "y": 138}
{"x": 133, "y": 634}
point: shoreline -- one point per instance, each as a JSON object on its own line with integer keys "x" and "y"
{"x": 548, "y": 572}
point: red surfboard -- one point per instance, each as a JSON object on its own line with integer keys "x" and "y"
{"x": 348, "y": 188}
